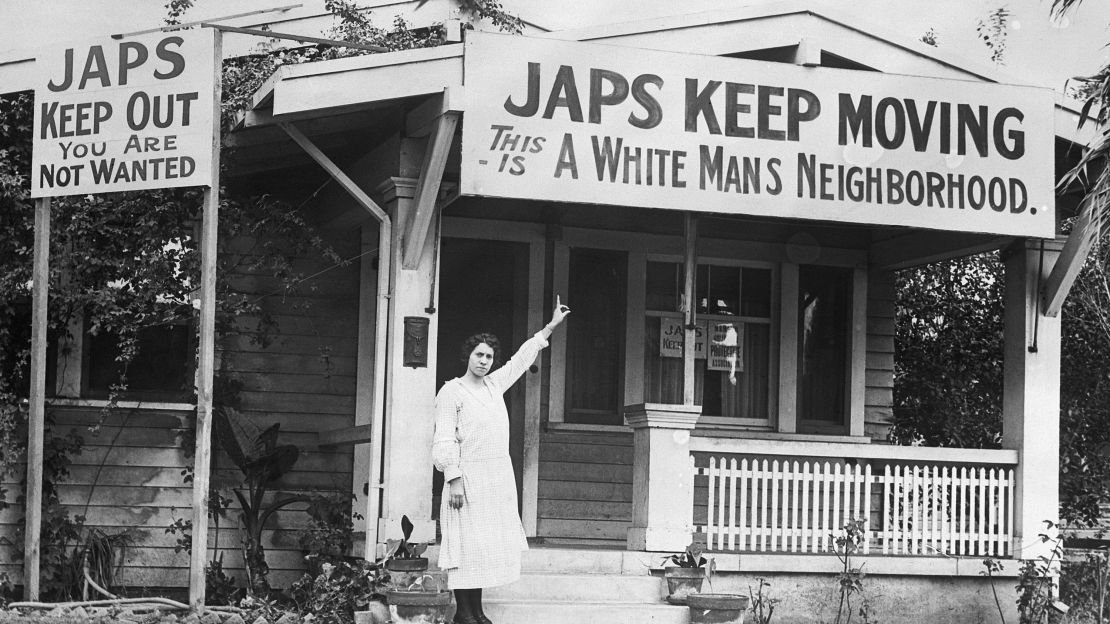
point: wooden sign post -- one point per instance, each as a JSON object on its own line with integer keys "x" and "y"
{"x": 37, "y": 415}
{"x": 207, "y": 355}
{"x": 126, "y": 114}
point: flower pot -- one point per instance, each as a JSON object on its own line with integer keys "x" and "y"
{"x": 375, "y": 613}
{"x": 405, "y": 572}
{"x": 681, "y": 582}
{"x": 418, "y": 607}
{"x": 717, "y": 608}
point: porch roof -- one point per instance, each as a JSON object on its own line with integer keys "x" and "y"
{"x": 347, "y": 106}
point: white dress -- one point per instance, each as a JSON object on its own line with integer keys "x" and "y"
{"x": 483, "y": 540}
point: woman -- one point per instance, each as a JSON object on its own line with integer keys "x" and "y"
{"x": 482, "y": 534}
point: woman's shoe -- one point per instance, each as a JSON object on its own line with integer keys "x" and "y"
{"x": 482, "y": 619}
{"x": 465, "y": 619}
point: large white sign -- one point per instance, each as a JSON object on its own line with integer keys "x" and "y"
{"x": 574, "y": 122}
{"x": 124, "y": 115}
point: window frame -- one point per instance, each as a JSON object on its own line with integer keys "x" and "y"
{"x": 781, "y": 258}
{"x": 772, "y": 323}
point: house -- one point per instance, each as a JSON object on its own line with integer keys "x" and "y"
{"x": 745, "y": 181}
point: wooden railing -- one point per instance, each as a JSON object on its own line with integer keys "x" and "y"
{"x": 915, "y": 500}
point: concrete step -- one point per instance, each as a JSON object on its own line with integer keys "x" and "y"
{"x": 545, "y": 560}
{"x": 552, "y": 612}
{"x": 582, "y": 588}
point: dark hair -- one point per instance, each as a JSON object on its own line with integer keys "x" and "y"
{"x": 472, "y": 343}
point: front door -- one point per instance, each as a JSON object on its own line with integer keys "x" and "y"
{"x": 483, "y": 289}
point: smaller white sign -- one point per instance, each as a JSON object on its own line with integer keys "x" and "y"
{"x": 672, "y": 335}
{"x": 124, "y": 115}
{"x": 726, "y": 350}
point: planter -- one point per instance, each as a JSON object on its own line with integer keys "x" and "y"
{"x": 717, "y": 608}
{"x": 681, "y": 582}
{"x": 405, "y": 572}
{"x": 375, "y": 613}
{"x": 419, "y": 607}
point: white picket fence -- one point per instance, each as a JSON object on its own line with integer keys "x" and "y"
{"x": 910, "y": 508}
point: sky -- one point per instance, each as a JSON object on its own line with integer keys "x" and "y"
{"x": 1040, "y": 50}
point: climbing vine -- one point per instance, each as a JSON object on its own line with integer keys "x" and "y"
{"x": 125, "y": 263}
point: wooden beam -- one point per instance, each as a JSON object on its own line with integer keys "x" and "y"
{"x": 335, "y": 172}
{"x": 347, "y": 436}
{"x": 1069, "y": 264}
{"x": 690, "y": 342}
{"x": 902, "y": 252}
{"x": 427, "y": 188}
{"x": 206, "y": 355}
{"x": 36, "y": 417}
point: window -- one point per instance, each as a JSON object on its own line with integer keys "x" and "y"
{"x": 595, "y": 337}
{"x": 824, "y": 333}
{"x": 162, "y": 369}
{"x": 733, "y": 344}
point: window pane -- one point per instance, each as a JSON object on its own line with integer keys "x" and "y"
{"x": 824, "y": 309}
{"x": 162, "y": 369}
{"x": 595, "y": 336}
{"x": 757, "y": 293}
{"x": 664, "y": 283}
{"x": 701, "y": 288}
{"x": 662, "y": 375}
{"x": 724, "y": 290}
{"x": 740, "y": 390}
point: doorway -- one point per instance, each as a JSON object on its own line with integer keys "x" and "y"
{"x": 483, "y": 288}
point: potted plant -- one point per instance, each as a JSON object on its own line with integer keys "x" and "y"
{"x": 404, "y": 560}
{"x": 689, "y": 571}
{"x": 425, "y": 601}
{"x": 717, "y": 608}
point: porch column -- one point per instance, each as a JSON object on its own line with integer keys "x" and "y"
{"x": 410, "y": 391}
{"x": 662, "y": 476}
{"x": 1031, "y": 393}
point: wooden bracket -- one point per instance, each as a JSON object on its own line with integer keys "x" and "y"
{"x": 334, "y": 171}
{"x": 427, "y": 188}
{"x": 1070, "y": 262}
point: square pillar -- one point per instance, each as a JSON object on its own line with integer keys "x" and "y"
{"x": 662, "y": 476}
{"x": 409, "y": 392}
{"x": 1031, "y": 393}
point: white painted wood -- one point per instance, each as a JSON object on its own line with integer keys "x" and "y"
{"x": 837, "y": 483}
{"x": 745, "y": 526}
{"x": 857, "y": 355}
{"x": 1031, "y": 394}
{"x": 1067, "y": 267}
{"x": 347, "y": 85}
{"x": 775, "y": 530}
{"x": 745, "y": 446}
{"x": 634, "y": 328}
{"x": 983, "y": 513}
{"x": 1011, "y": 549}
{"x": 867, "y": 506}
{"x": 733, "y": 478}
{"x": 946, "y": 518}
{"x": 690, "y": 267}
{"x": 557, "y": 394}
{"x": 427, "y": 188}
{"x": 796, "y": 518}
{"x": 807, "y": 523}
{"x": 787, "y": 417}
{"x": 533, "y": 389}
{"x": 713, "y": 529}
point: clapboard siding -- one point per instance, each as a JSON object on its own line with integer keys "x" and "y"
{"x": 302, "y": 378}
{"x": 585, "y": 486}
{"x": 879, "y": 397}
{"x": 129, "y": 475}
